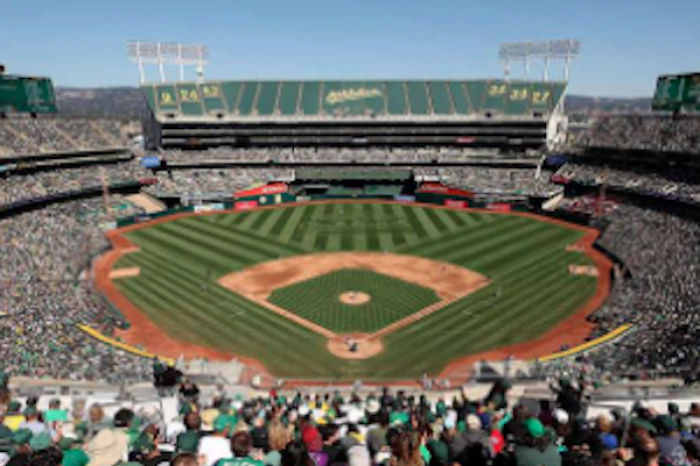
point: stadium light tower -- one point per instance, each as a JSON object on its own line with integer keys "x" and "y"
{"x": 566, "y": 51}
{"x": 164, "y": 54}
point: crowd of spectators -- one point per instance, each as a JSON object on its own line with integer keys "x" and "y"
{"x": 334, "y": 155}
{"x": 28, "y": 136}
{"x": 21, "y": 186}
{"x": 379, "y": 429}
{"x": 658, "y": 133}
{"x": 677, "y": 183}
{"x": 216, "y": 181}
{"x": 44, "y": 293}
{"x": 490, "y": 180}
{"x": 224, "y": 181}
{"x": 660, "y": 295}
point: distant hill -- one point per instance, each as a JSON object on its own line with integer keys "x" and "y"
{"x": 581, "y": 105}
{"x": 111, "y": 102}
{"x": 128, "y": 103}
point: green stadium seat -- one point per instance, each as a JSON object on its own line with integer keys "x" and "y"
{"x": 518, "y": 99}
{"x": 440, "y": 97}
{"x": 231, "y": 94}
{"x": 460, "y": 98}
{"x": 190, "y": 100}
{"x": 213, "y": 98}
{"x": 167, "y": 99}
{"x": 494, "y": 98}
{"x": 267, "y": 98}
{"x": 311, "y": 98}
{"x": 289, "y": 98}
{"x": 476, "y": 91}
{"x": 418, "y": 98}
{"x": 396, "y": 98}
{"x": 247, "y": 99}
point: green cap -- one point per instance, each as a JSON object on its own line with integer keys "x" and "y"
{"x": 221, "y": 423}
{"x": 21, "y": 437}
{"x": 440, "y": 450}
{"x": 66, "y": 443}
{"x": 187, "y": 442}
{"x": 40, "y": 441}
{"x": 75, "y": 458}
{"x": 673, "y": 408}
{"x": 14, "y": 407}
{"x": 666, "y": 424}
{"x": 534, "y": 427}
{"x": 644, "y": 424}
{"x": 30, "y": 411}
{"x": 398, "y": 417}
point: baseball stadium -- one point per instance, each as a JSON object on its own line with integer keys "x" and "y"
{"x": 283, "y": 266}
{"x": 307, "y": 232}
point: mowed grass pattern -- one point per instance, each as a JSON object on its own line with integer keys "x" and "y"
{"x": 526, "y": 260}
{"x": 317, "y": 300}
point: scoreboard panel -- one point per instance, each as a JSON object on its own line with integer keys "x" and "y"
{"x": 21, "y": 94}
{"x": 675, "y": 93}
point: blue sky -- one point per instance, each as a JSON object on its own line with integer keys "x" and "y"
{"x": 626, "y": 44}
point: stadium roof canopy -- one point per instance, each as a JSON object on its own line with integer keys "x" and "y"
{"x": 361, "y": 100}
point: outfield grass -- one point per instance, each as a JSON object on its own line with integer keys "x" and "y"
{"x": 526, "y": 260}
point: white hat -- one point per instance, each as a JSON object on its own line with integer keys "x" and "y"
{"x": 304, "y": 410}
{"x": 354, "y": 415}
{"x": 373, "y": 406}
{"x": 473, "y": 422}
{"x": 561, "y": 416}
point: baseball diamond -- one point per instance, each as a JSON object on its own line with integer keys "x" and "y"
{"x": 194, "y": 283}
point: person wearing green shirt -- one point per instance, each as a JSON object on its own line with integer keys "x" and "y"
{"x": 241, "y": 447}
{"x": 538, "y": 448}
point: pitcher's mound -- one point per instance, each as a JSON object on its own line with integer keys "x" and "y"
{"x": 354, "y": 298}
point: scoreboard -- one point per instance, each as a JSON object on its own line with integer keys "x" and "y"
{"x": 20, "y": 94}
{"x": 675, "y": 93}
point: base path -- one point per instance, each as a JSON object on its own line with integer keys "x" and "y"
{"x": 125, "y": 272}
{"x": 448, "y": 281}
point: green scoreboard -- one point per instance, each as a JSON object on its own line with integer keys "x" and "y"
{"x": 21, "y": 94}
{"x": 675, "y": 93}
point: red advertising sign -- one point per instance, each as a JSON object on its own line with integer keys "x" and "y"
{"x": 456, "y": 203}
{"x": 499, "y": 206}
{"x": 245, "y": 205}
{"x": 272, "y": 188}
{"x": 558, "y": 179}
{"x": 439, "y": 188}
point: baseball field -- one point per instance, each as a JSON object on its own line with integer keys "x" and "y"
{"x": 352, "y": 290}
